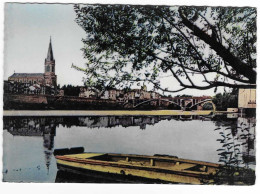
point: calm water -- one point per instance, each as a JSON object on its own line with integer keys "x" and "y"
{"x": 30, "y": 141}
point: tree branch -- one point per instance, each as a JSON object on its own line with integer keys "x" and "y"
{"x": 239, "y": 66}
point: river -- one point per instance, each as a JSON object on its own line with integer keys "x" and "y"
{"x": 29, "y": 142}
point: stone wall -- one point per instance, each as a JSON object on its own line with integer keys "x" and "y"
{"x": 78, "y": 103}
{"x": 50, "y": 102}
{"x": 34, "y": 102}
{"x": 24, "y": 102}
{"x": 26, "y": 98}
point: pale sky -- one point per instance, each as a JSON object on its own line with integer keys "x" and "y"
{"x": 28, "y": 28}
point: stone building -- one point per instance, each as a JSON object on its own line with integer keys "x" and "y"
{"x": 88, "y": 93}
{"x": 120, "y": 95}
{"x": 146, "y": 95}
{"x": 48, "y": 78}
{"x": 112, "y": 94}
{"x": 104, "y": 95}
{"x": 155, "y": 95}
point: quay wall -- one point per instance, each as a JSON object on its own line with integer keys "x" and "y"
{"x": 25, "y": 98}
{"x": 79, "y": 103}
{"x": 49, "y": 102}
{"x": 42, "y": 102}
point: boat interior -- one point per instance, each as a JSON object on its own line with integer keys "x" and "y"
{"x": 154, "y": 162}
{"x": 157, "y": 161}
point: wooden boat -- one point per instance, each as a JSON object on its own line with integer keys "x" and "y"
{"x": 158, "y": 167}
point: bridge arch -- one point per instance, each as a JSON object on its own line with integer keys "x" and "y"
{"x": 172, "y": 102}
{"x": 147, "y": 101}
{"x": 205, "y": 102}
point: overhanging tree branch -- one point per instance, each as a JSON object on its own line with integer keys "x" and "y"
{"x": 163, "y": 39}
{"x": 233, "y": 61}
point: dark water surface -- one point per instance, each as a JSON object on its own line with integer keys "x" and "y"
{"x": 29, "y": 142}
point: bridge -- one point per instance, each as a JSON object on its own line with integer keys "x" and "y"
{"x": 182, "y": 103}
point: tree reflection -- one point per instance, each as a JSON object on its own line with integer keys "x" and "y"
{"x": 237, "y": 151}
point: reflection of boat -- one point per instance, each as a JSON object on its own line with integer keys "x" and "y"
{"x": 159, "y": 167}
{"x": 68, "y": 175}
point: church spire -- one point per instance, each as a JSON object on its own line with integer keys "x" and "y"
{"x": 50, "y": 53}
{"x": 49, "y": 68}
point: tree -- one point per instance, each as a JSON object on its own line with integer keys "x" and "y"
{"x": 128, "y": 43}
{"x": 70, "y": 90}
{"x": 226, "y": 100}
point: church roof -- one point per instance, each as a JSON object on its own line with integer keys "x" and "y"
{"x": 50, "y": 53}
{"x": 26, "y": 75}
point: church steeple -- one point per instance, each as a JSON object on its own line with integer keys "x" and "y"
{"x": 49, "y": 66}
{"x": 50, "y": 53}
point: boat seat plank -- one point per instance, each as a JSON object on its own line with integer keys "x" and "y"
{"x": 84, "y": 155}
{"x": 182, "y": 166}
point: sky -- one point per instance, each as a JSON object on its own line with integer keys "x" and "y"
{"x": 28, "y": 28}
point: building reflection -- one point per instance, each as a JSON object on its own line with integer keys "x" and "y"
{"x": 48, "y": 144}
{"x": 45, "y": 127}
{"x": 37, "y": 127}
{"x": 237, "y": 133}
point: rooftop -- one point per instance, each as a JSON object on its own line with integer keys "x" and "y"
{"x": 18, "y": 75}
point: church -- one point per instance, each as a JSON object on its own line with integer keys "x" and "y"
{"x": 48, "y": 78}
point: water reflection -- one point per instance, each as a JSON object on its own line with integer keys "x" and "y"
{"x": 37, "y": 126}
{"x": 237, "y": 140}
{"x": 229, "y": 140}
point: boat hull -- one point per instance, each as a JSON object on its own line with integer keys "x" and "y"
{"x": 71, "y": 174}
{"x": 82, "y": 164}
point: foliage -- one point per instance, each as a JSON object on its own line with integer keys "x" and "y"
{"x": 226, "y": 100}
{"x": 207, "y": 106}
{"x": 234, "y": 176}
{"x": 70, "y": 90}
{"x": 127, "y": 43}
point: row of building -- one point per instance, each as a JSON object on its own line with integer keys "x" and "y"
{"x": 119, "y": 95}
{"x": 15, "y": 87}
{"x": 46, "y": 84}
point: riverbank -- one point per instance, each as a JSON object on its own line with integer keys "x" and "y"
{"x": 102, "y": 112}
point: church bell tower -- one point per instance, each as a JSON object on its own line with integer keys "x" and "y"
{"x": 49, "y": 68}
